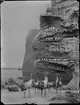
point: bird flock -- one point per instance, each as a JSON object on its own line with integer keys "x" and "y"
{"x": 41, "y": 85}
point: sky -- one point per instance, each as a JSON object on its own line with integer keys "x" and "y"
{"x": 17, "y": 19}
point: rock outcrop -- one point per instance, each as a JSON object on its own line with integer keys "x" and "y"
{"x": 56, "y": 45}
{"x": 13, "y": 88}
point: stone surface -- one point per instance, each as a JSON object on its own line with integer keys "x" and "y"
{"x": 55, "y": 47}
{"x": 28, "y": 63}
{"x": 13, "y": 88}
{"x": 57, "y": 43}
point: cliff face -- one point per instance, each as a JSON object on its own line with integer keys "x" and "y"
{"x": 57, "y": 44}
{"x": 28, "y": 63}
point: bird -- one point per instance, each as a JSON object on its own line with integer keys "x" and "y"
{"x": 60, "y": 85}
{"x": 35, "y": 85}
{"x": 45, "y": 81}
{"x": 57, "y": 81}
{"x": 27, "y": 86}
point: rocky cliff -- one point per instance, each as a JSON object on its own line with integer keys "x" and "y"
{"x": 56, "y": 46}
{"x": 57, "y": 43}
{"x": 28, "y": 63}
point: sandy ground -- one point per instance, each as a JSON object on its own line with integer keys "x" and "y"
{"x": 18, "y": 97}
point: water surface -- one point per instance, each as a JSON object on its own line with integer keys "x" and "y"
{"x": 7, "y": 73}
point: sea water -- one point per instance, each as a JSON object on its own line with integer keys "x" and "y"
{"x": 6, "y": 74}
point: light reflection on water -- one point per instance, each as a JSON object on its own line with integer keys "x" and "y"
{"x": 6, "y": 74}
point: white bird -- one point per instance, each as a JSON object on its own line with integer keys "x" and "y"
{"x": 45, "y": 81}
{"x": 28, "y": 85}
{"x": 60, "y": 84}
{"x": 36, "y": 85}
{"x": 57, "y": 80}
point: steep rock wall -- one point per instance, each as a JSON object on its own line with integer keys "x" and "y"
{"x": 28, "y": 63}
{"x": 58, "y": 39}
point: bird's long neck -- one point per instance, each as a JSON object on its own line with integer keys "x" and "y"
{"x": 30, "y": 80}
{"x": 57, "y": 78}
{"x": 46, "y": 79}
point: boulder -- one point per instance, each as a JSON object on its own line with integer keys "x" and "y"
{"x": 11, "y": 81}
{"x": 13, "y": 88}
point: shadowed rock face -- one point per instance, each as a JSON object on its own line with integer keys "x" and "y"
{"x": 28, "y": 63}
